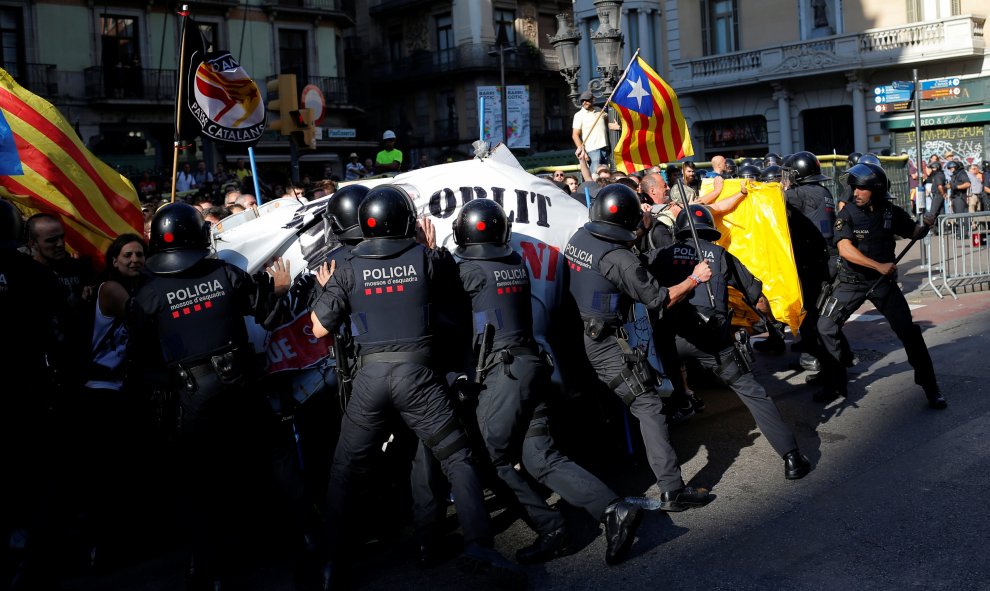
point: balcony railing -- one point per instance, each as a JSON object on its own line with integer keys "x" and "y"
{"x": 951, "y": 38}
{"x": 334, "y": 89}
{"x": 342, "y": 10}
{"x": 470, "y": 56}
{"x": 40, "y": 79}
{"x": 130, "y": 84}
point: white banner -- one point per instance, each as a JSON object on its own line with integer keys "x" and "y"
{"x": 543, "y": 220}
{"x": 491, "y": 116}
{"x": 517, "y": 113}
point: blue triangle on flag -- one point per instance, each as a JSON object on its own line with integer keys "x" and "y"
{"x": 635, "y": 92}
{"x": 10, "y": 160}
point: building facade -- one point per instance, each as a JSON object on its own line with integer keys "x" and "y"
{"x": 111, "y": 67}
{"x": 755, "y": 76}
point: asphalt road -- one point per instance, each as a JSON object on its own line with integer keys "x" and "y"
{"x": 896, "y": 500}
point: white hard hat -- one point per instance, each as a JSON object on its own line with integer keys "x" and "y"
{"x": 388, "y": 135}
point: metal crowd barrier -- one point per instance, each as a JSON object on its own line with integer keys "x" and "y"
{"x": 963, "y": 254}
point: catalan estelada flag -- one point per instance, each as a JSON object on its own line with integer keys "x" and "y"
{"x": 653, "y": 129}
{"x": 58, "y": 175}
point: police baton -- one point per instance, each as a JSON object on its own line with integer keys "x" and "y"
{"x": 694, "y": 235}
{"x": 896, "y": 260}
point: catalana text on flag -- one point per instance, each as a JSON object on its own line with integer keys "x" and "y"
{"x": 62, "y": 177}
{"x": 653, "y": 129}
{"x": 221, "y": 102}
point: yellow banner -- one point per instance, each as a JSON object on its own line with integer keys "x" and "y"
{"x": 756, "y": 233}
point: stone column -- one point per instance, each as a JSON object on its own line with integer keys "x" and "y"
{"x": 783, "y": 97}
{"x": 858, "y": 90}
{"x": 645, "y": 38}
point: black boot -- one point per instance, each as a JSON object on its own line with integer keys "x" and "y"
{"x": 935, "y": 398}
{"x": 684, "y": 498}
{"x": 621, "y": 520}
{"x": 480, "y": 559}
{"x": 796, "y": 465}
{"x": 547, "y": 547}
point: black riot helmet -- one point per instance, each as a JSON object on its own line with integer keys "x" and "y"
{"x": 806, "y": 167}
{"x": 730, "y": 169}
{"x": 11, "y": 224}
{"x": 388, "y": 220}
{"x": 868, "y": 176}
{"x": 852, "y": 159}
{"x": 704, "y": 224}
{"x": 953, "y": 166}
{"x": 180, "y": 238}
{"x": 481, "y": 230}
{"x": 935, "y": 166}
{"x": 749, "y": 171}
{"x": 771, "y": 159}
{"x": 869, "y": 158}
{"x": 771, "y": 174}
{"x": 615, "y": 213}
{"x": 341, "y": 213}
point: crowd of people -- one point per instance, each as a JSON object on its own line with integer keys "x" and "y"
{"x": 442, "y": 341}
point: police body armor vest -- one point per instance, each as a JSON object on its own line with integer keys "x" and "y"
{"x": 504, "y": 302}
{"x": 679, "y": 261}
{"x": 819, "y": 207}
{"x": 878, "y": 243}
{"x": 596, "y": 296}
{"x": 199, "y": 318}
{"x": 390, "y": 299}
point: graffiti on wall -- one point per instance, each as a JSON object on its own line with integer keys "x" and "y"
{"x": 964, "y": 142}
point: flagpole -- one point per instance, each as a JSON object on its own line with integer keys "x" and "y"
{"x": 614, "y": 89}
{"x": 178, "y": 99}
{"x": 254, "y": 176}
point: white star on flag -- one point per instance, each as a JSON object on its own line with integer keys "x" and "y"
{"x": 637, "y": 92}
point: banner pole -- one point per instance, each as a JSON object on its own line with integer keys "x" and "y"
{"x": 481, "y": 118}
{"x": 179, "y": 98}
{"x": 254, "y": 176}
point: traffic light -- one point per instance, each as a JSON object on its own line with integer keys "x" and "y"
{"x": 305, "y": 133}
{"x": 282, "y": 99}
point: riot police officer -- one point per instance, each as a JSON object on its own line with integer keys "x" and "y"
{"x": 605, "y": 278}
{"x": 390, "y": 289}
{"x": 811, "y": 207}
{"x": 188, "y": 320}
{"x": 515, "y": 376}
{"x": 864, "y": 234}
{"x": 704, "y": 332}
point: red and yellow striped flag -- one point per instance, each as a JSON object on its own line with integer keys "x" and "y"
{"x": 653, "y": 129}
{"x": 62, "y": 177}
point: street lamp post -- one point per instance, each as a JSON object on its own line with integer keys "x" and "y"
{"x": 502, "y": 47}
{"x": 607, "y": 41}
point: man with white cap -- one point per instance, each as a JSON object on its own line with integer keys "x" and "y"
{"x": 389, "y": 159}
{"x": 354, "y": 169}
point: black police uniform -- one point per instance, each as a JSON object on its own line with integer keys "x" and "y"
{"x": 32, "y": 299}
{"x": 811, "y": 209}
{"x": 390, "y": 303}
{"x": 872, "y": 229}
{"x": 191, "y": 322}
{"x": 959, "y": 178}
{"x": 703, "y": 332}
{"x": 512, "y": 410}
{"x": 605, "y": 278}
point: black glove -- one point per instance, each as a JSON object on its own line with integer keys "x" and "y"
{"x": 920, "y": 231}
{"x": 466, "y": 389}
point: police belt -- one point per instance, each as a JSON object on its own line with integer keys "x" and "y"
{"x": 417, "y": 357}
